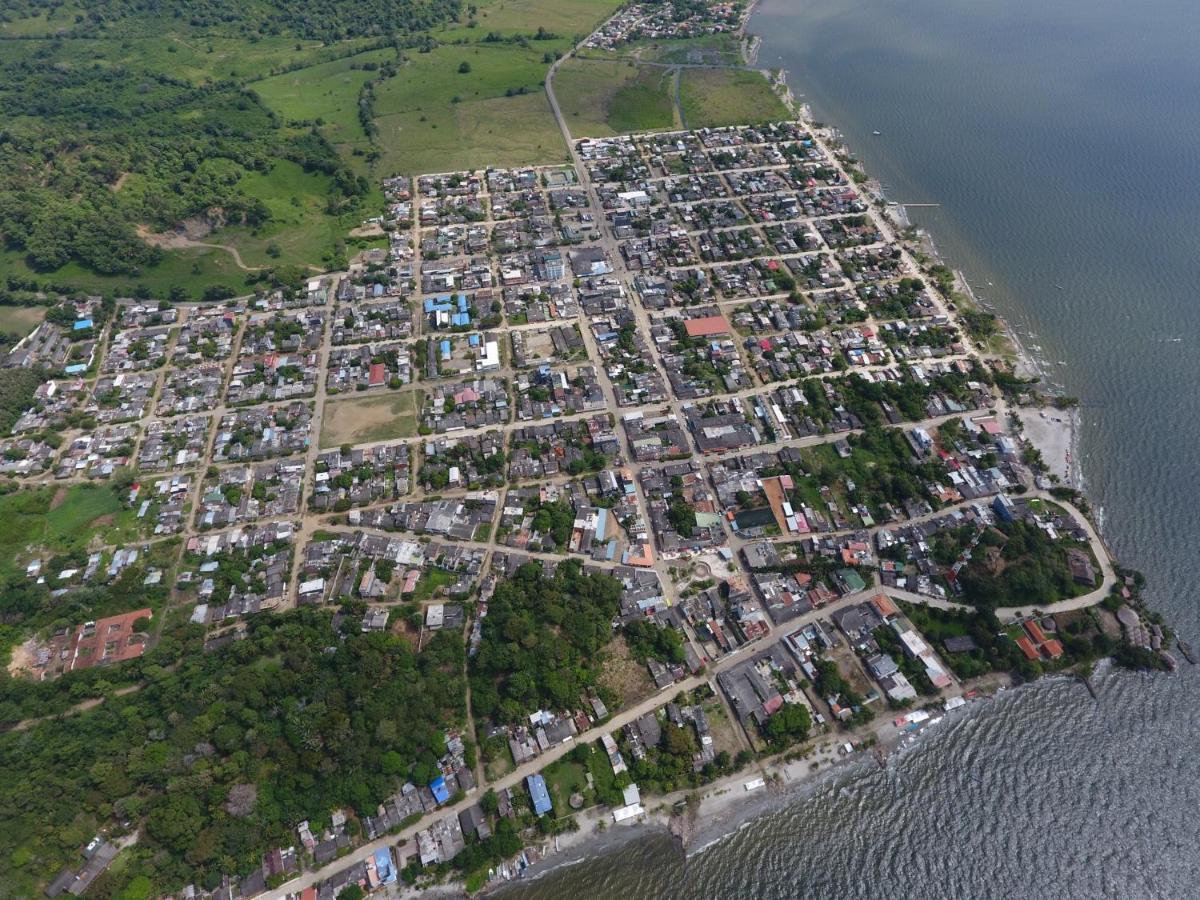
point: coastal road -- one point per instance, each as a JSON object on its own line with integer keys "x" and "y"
{"x": 617, "y": 722}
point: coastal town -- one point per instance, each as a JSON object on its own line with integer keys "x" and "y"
{"x": 709, "y": 367}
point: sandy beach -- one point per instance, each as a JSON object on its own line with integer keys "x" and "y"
{"x": 1054, "y": 432}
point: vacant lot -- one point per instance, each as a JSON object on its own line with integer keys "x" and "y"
{"x": 20, "y": 320}
{"x": 708, "y": 49}
{"x": 367, "y": 419}
{"x": 713, "y": 97}
{"x": 58, "y": 520}
{"x": 606, "y": 97}
{"x": 503, "y": 131}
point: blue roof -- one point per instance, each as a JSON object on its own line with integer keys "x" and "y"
{"x": 462, "y": 304}
{"x": 461, "y": 318}
{"x": 612, "y": 550}
{"x": 75, "y": 369}
{"x": 474, "y": 340}
{"x": 383, "y": 867}
{"x": 539, "y": 795}
{"x": 378, "y": 290}
{"x": 440, "y": 792}
{"x": 82, "y": 324}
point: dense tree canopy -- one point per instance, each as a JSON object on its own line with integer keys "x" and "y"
{"x": 324, "y": 20}
{"x": 542, "y": 640}
{"x": 222, "y": 756}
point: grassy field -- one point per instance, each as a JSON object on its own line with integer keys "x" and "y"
{"x": 431, "y": 583}
{"x": 327, "y": 92}
{"x": 564, "y": 778}
{"x": 20, "y": 319}
{"x": 193, "y": 269}
{"x": 502, "y": 131}
{"x": 606, "y": 97}
{"x": 713, "y": 97}
{"x": 366, "y": 419}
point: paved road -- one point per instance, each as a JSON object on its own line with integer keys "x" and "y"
{"x": 617, "y": 722}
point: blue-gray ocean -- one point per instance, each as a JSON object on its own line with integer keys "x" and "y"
{"x": 1062, "y": 140}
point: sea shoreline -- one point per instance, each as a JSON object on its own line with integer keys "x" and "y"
{"x": 723, "y": 808}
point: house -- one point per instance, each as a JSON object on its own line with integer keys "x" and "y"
{"x": 1080, "y": 567}
{"x": 538, "y": 794}
{"x": 473, "y": 821}
{"x": 706, "y": 326}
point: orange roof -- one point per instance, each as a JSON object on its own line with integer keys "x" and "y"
{"x": 884, "y": 605}
{"x": 108, "y": 640}
{"x": 1035, "y": 631}
{"x": 1053, "y": 648}
{"x": 706, "y": 326}
{"x": 645, "y": 557}
{"x": 1027, "y": 647}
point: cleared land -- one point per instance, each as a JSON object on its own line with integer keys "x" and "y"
{"x": 20, "y": 320}
{"x": 606, "y": 97}
{"x": 708, "y": 49}
{"x": 714, "y": 97}
{"x": 366, "y": 419}
{"x": 300, "y": 229}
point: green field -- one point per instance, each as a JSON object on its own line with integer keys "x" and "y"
{"x": 714, "y": 97}
{"x": 503, "y": 131}
{"x": 366, "y": 419}
{"x": 327, "y": 92}
{"x": 20, "y": 320}
{"x": 600, "y": 98}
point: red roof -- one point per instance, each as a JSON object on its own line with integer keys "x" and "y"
{"x": 1027, "y": 647}
{"x": 1035, "y": 631}
{"x": 378, "y": 374}
{"x": 706, "y": 326}
{"x": 1053, "y": 648}
{"x": 765, "y": 343}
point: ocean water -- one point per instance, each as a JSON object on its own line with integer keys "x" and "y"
{"x": 1062, "y": 142}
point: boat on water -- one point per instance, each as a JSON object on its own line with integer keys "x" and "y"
{"x": 877, "y": 133}
{"x": 1186, "y": 649}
